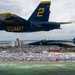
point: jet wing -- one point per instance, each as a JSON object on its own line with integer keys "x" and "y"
{"x": 10, "y": 17}
{"x": 13, "y": 23}
{"x": 62, "y": 44}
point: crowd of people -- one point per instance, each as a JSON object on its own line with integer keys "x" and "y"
{"x": 29, "y": 56}
{"x": 35, "y": 53}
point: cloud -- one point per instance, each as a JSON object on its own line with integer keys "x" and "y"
{"x": 60, "y": 11}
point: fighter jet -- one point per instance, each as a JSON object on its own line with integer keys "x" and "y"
{"x": 60, "y": 43}
{"x": 38, "y": 21}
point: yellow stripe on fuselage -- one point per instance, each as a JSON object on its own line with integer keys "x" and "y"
{"x": 45, "y": 2}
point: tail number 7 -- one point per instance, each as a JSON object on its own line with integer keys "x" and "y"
{"x": 40, "y": 12}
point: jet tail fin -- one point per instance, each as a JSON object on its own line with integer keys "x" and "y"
{"x": 42, "y": 12}
{"x": 74, "y": 40}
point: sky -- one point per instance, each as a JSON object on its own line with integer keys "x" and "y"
{"x": 61, "y": 11}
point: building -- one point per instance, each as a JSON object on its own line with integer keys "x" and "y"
{"x": 16, "y": 43}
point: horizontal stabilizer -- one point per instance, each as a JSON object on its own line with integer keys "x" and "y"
{"x": 65, "y": 22}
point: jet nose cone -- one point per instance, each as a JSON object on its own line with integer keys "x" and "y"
{"x": 0, "y": 23}
{"x": 2, "y": 26}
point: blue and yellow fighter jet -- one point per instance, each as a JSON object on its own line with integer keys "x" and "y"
{"x": 60, "y": 43}
{"x": 38, "y": 21}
